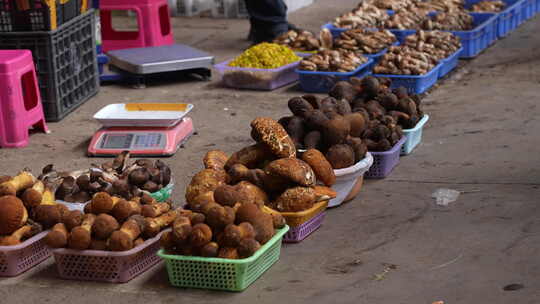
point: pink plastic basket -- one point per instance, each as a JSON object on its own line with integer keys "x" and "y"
{"x": 107, "y": 266}
{"x": 384, "y": 162}
{"x": 17, "y": 259}
{"x": 297, "y": 234}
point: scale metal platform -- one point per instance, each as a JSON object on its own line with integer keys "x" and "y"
{"x": 154, "y": 62}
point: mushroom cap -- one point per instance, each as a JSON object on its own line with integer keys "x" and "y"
{"x": 324, "y": 193}
{"x": 248, "y": 247}
{"x": 13, "y": 214}
{"x": 72, "y": 219}
{"x": 251, "y": 192}
{"x": 271, "y": 133}
{"x": 124, "y": 209}
{"x": 215, "y": 159}
{"x": 228, "y": 253}
{"x": 340, "y": 156}
{"x": 31, "y": 197}
{"x": 250, "y": 156}
{"x": 296, "y": 199}
{"x": 320, "y": 165}
{"x": 292, "y": 169}
{"x": 79, "y": 238}
{"x": 204, "y": 181}
{"x": 120, "y": 241}
{"x": 104, "y": 226}
{"x": 210, "y": 250}
{"x": 102, "y": 203}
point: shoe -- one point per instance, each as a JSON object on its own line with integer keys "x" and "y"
{"x": 291, "y": 26}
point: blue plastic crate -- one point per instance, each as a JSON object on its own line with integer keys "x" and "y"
{"x": 450, "y": 63}
{"x": 414, "y": 136}
{"x": 323, "y": 82}
{"x": 415, "y": 84}
{"x": 509, "y": 19}
{"x": 481, "y": 37}
{"x": 537, "y": 6}
{"x": 528, "y": 9}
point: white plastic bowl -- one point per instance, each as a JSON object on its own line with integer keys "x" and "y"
{"x": 347, "y": 178}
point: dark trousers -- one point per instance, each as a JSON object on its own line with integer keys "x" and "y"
{"x": 268, "y": 18}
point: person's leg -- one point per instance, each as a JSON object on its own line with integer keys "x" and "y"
{"x": 268, "y": 18}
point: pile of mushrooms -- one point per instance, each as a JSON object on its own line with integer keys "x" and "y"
{"x": 438, "y": 44}
{"x": 407, "y": 18}
{"x": 111, "y": 223}
{"x": 365, "y": 41}
{"x": 27, "y": 206}
{"x": 339, "y": 60}
{"x": 456, "y": 20}
{"x": 242, "y": 195}
{"x": 404, "y": 60}
{"x": 364, "y": 16}
{"x": 118, "y": 177}
{"x": 488, "y": 7}
{"x": 305, "y": 41}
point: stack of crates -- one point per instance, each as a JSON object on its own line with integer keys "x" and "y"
{"x": 61, "y": 37}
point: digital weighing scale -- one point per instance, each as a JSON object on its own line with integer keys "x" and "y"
{"x": 138, "y": 64}
{"x": 143, "y": 129}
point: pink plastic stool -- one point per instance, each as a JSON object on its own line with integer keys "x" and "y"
{"x": 153, "y": 21}
{"x": 20, "y": 101}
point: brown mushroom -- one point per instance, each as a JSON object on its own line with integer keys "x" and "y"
{"x": 122, "y": 240}
{"x": 340, "y": 156}
{"x": 81, "y": 236}
{"x": 104, "y": 226}
{"x": 13, "y": 214}
{"x": 124, "y": 209}
{"x": 22, "y": 181}
{"x": 292, "y": 169}
{"x": 273, "y": 135}
{"x": 320, "y": 165}
{"x": 154, "y": 225}
{"x": 215, "y": 159}
{"x": 247, "y": 248}
{"x": 57, "y": 237}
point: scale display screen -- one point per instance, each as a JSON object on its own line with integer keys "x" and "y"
{"x": 117, "y": 141}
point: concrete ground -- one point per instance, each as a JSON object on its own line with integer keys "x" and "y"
{"x": 392, "y": 244}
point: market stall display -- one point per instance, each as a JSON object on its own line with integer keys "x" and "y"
{"x": 122, "y": 177}
{"x": 114, "y": 240}
{"x": 27, "y": 209}
{"x": 365, "y": 41}
{"x": 265, "y": 66}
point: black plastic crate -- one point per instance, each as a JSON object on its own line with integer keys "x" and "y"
{"x": 35, "y": 15}
{"x": 66, "y": 63}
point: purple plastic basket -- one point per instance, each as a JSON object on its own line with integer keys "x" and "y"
{"x": 257, "y": 79}
{"x": 384, "y": 162}
{"x": 17, "y": 259}
{"x": 297, "y": 234}
{"x": 107, "y": 266}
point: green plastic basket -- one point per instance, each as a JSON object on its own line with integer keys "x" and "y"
{"x": 222, "y": 274}
{"x": 163, "y": 194}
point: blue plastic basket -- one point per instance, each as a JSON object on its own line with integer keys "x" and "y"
{"x": 537, "y": 6}
{"x": 449, "y": 63}
{"x": 323, "y": 82}
{"x": 528, "y": 9}
{"x": 414, "y": 136}
{"x": 481, "y": 37}
{"x": 509, "y": 19}
{"x": 415, "y": 84}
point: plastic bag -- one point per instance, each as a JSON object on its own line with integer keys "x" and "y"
{"x": 444, "y": 196}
